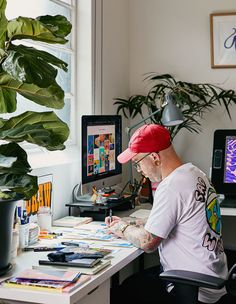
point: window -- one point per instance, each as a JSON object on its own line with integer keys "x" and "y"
{"x": 67, "y": 52}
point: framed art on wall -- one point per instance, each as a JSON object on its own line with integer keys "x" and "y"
{"x": 223, "y": 40}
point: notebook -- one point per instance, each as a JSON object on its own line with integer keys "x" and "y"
{"x": 85, "y": 270}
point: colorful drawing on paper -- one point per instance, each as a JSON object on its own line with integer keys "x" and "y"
{"x": 43, "y": 196}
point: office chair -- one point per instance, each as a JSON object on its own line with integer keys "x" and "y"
{"x": 188, "y": 282}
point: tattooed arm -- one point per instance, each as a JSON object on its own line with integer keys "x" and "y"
{"x": 128, "y": 220}
{"x": 136, "y": 235}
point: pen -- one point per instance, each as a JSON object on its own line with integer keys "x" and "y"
{"x": 110, "y": 215}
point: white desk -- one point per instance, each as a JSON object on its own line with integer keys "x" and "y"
{"x": 228, "y": 211}
{"x": 96, "y": 290}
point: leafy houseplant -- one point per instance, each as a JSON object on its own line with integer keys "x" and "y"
{"x": 31, "y": 73}
{"x": 193, "y": 100}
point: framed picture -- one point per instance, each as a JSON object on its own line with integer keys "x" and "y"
{"x": 223, "y": 40}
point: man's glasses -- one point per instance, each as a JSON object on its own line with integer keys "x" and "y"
{"x": 137, "y": 164}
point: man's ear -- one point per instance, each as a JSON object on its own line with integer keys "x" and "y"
{"x": 155, "y": 156}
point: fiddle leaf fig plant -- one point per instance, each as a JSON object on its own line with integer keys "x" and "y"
{"x": 32, "y": 73}
{"x": 193, "y": 100}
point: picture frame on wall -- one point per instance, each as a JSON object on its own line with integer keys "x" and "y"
{"x": 223, "y": 40}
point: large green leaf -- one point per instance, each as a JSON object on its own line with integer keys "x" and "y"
{"x": 7, "y": 100}
{"x": 44, "y": 129}
{"x": 13, "y": 172}
{"x": 58, "y": 24}
{"x": 29, "y": 69}
{"x": 20, "y": 183}
{"x": 29, "y": 65}
{"x": 52, "y": 96}
{"x": 3, "y": 26}
{"x": 12, "y": 154}
{"x": 33, "y": 52}
{"x": 29, "y": 28}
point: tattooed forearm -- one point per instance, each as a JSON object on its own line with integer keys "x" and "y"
{"x": 141, "y": 238}
{"x": 135, "y": 221}
{"x": 138, "y": 221}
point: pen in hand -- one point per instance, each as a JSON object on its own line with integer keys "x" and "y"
{"x": 110, "y": 215}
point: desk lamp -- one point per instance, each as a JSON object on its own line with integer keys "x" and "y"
{"x": 171, "y": 116}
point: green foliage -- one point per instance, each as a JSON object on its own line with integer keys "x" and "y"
{"x": 193, "y": 100}
{"x": 31, "y": 73}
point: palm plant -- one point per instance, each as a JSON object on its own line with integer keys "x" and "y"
{"x": 193, "y": 100}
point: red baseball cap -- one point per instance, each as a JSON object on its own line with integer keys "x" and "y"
{"x": 148, "y": 138}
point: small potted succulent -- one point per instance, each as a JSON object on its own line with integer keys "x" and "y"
{"x": 30, "y": 72}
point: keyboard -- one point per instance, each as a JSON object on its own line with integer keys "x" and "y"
{"x": 84, "y": 198}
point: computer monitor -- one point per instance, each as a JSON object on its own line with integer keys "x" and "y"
{"x": 224, "y": 165}
{"x": 101, "y": 144}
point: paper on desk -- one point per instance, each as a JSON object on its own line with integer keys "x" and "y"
{"x": 92, "y": 226}
{"x": 87, "y": 235}
{"x": 141, "y": 213}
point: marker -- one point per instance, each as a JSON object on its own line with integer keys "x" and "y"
{"x": 110, "y": 214}
{"x": 76, "y": 244}
{"x": 38, "y": 249}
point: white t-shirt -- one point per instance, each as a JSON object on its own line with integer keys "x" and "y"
{"x": 186, "y": 214}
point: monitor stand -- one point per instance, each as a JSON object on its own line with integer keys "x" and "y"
{"x": 228, "y": 202}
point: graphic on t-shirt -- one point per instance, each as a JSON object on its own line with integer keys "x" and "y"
{"x": 213, "y": 213}
{"x": 212, "y": 240}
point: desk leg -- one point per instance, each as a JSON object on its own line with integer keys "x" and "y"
{"x": 69, "y": 210}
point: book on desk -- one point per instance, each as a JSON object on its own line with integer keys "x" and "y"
{"x": 84, "y": 270}
{"x": 71, "y": 221}
{"x": 53, "y": 280}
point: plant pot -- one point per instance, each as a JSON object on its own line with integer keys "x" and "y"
{"x": 7, "y": 211}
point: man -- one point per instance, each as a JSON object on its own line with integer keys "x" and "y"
{"x": 184, "y": 223}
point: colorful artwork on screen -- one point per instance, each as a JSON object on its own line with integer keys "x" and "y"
{"x": 230, "y": 160}
{"x": 101, "y": 149}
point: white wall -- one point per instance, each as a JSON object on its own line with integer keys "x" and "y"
{"x": 115, "y": 53}
{"x": 160, "y": 36}
{"x": 174, "y": 37}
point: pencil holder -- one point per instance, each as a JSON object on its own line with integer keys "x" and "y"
{"x": 24, "y": 235}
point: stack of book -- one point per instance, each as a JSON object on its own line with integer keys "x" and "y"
{"x": 47, "y": 280}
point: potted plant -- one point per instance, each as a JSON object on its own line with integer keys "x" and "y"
{"x": 31, "y": 73}
{"x": 193, "y": 100}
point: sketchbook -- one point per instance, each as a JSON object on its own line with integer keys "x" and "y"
{"x": 49, "y": 275}
{"x": 51, "y": 286}
{"x": 93, "y": 270}
{"x": 85, "y": 262}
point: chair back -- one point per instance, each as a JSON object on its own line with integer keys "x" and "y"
{"x": 231, "y": 281}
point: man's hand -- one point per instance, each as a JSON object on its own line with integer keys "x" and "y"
{"x": 115, "y": 220}
{"x": 118, "y": 228}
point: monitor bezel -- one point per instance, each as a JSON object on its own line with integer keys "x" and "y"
{"x": 91, "y": 120}
{"x": 218, "y": 172}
